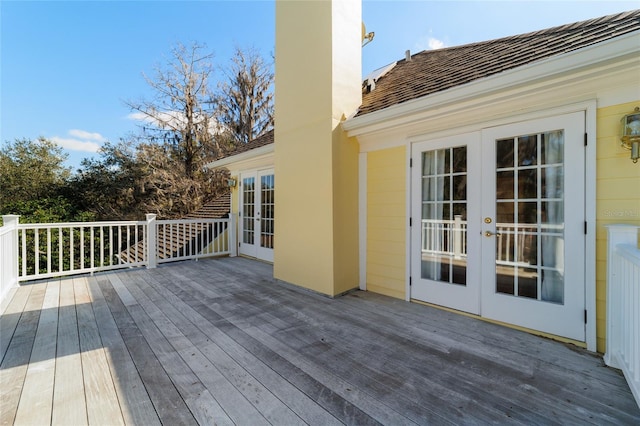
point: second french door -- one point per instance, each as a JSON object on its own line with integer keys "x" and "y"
{"x": 257, "y": 207}
{"x": 500, "y": 224}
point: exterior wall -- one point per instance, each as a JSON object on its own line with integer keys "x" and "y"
{"x": 318, "y": 66}
{"x": 386, "y": 222}
{"x": 617, "y": 197}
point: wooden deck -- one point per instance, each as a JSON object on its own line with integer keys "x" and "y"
{"x": 218, "y": 341}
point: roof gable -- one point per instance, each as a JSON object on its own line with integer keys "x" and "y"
{"x": 434, "y": 71}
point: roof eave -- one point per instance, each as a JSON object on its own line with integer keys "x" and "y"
{"x": 243, "y": 156}
{"x": 590, "y": 57}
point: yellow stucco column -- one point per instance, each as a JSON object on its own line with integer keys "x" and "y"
{"x": 318, "y": 77}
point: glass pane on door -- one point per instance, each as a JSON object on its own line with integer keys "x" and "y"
{"x": 267, "y": 192}
{"x": 444, "y": 215}
{"x": 248, "y": 210}
{"x": 530, "y": 216}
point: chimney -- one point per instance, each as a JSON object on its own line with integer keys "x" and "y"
{"x": 316, "y": 165}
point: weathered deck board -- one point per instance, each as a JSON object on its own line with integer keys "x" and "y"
{"x": 16, "y": 360}
{"x": 12, "y": 308}
{"x": 36, "y": 400}
{"x": 219, "y": 341}
{"x": 247, "y": 373}
{"x": 69, "y": 386}
{"x": 166, "y": 400}
{"x": 325, "y": 397}
{"x": 100, "y": 393}
{"x": 136, "y": 405}
{"x": 172, "y": 356}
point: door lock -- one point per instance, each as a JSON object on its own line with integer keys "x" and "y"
{"x": 491, "y": 234}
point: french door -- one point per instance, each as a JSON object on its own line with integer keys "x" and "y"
{"x": 257, "y": 207}
{"x": 501, "y": 224}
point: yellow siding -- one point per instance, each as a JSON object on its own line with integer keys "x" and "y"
{"x": 617, "y": 197}
{"x": 386, "y": 222}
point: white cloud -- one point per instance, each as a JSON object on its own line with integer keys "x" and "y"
{"x": 428, "y": 42}
{"x": 80, "y": 140}
{"x": 434, "y": 43}
{"x": 81, "y": 134}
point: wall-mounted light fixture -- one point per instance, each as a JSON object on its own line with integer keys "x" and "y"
{"x": 631, "y": 133}
{"x": 231, "y": 182}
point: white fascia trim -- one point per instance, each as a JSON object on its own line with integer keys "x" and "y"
{"x": 591, "y": 58}
{"x": 243, "y": 156}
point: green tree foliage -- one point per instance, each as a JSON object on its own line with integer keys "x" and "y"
{"x": 31, "y": 169}
{"x": 34, "y": 182}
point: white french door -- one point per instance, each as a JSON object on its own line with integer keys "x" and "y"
{"x": 445, "y": 239}
{"x": 504, "y": 232}
{"x": 257, "y": 207}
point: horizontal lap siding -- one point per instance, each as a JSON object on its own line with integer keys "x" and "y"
{"x": 386, "y": 222}
{"x": 617, "y": 197}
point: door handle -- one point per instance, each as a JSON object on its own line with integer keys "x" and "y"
{"x": 491, "y": 234}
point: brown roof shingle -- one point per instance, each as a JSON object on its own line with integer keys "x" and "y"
{"x": 433, "y": 71}
{"x": 262, "y": 140}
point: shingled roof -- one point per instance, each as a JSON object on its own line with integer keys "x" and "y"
{"x": 178, "y": 239}
{"x": 433, "y": 71}
{"x": 262, "y": 140}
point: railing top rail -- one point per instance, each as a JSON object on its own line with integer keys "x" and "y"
{"x": 203, "y": 220}
{"x": 80, "y": 224}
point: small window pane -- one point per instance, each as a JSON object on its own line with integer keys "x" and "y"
{"x": 460, "y": 159}
{"x": 504, "y": 153}
{"x": 527, "y": 150}
{"x": 504, "y": 185}
{"x": 552, "y": 147}
{"x": 528, "y": 183}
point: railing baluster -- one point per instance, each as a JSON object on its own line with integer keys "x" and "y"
{"x": 101, "y": 246}
{"x": 92, "y": 248}
{"x": 71, "y": 249}
{"x": 48, "y": 250}
{"x": 36, "y": 243}
{"x": 24, "y": 252}
{"x": 60, "y": 250}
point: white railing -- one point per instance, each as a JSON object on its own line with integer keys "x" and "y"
{"x": 445, "y": 237}
{"x": 44, "y": 250}
{"x": 191, "y": 239}
{"x": 623, "y": 303}
{"x": 57, "y": 249}
{"x": 449, "y": 238}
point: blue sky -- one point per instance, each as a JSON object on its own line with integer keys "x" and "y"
{"x": 67, "y": 67}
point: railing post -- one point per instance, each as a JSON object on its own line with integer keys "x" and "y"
{"x": 152, "y": 243}
{"x": 232, "y": 230}
{"x": 616, "y": 234}
{"x": 9, "y": 258}
{"x": 457, "y": 236}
